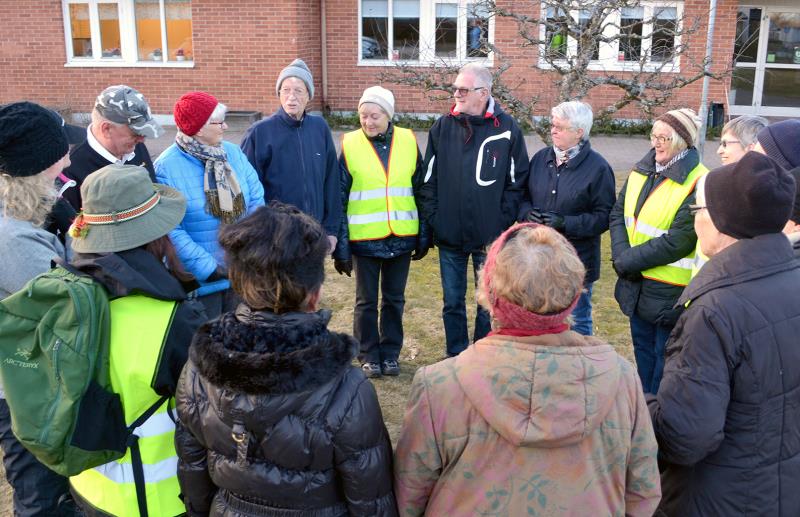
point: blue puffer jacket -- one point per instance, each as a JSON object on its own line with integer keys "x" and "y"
{"x": 195, "y": 239}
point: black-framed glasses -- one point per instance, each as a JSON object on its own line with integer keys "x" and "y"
{"x": 725, "y": 143}
{"x": 465, "y": 91}
{"x": 659, "y": 139}
{"x": 693, "y": 209}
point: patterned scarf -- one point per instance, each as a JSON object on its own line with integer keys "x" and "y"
{"x": 565, "y": 156}
{"x": 224, "y": 197}
{"x": 672, "y": 162}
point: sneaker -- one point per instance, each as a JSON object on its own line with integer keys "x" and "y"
{"x": 371, "y": 370}
{"x": 390, "y": 367}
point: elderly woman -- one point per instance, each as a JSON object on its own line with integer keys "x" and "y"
{"x": 653, "y": 239}
{"x": 534, "y": 419}
{"x": 33, "y": 152}
{"x": 220, "y": 187}
{"x": 738, "y": 137}
{"x": 571, "y": 189}
{"x": 378, "y": 241}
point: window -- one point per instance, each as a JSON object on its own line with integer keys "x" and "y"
{"x": 423, "y": 31}
{"x": 630, "y": 42}
{"x": 665, "y": 23}
{"x": 128, "y": 32}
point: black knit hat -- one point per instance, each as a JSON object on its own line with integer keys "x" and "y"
{"x": 795, "y": 217}
{"x": 751, "y": 197}
{"x": 781, "y": 142}
{"x": 31, "y": 139}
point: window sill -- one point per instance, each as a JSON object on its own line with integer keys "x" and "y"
{"x": 616, "y": 66}
{"x": 440, "y": 63}
{"x": 125, "y": 64}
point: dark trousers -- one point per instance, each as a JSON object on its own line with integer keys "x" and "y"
{"x": 582, "y": 315}
{"x": 38, "y": 491}
{"x": 453, "y": 268}
{"x": 384, "y": 342}
{"x": 649, "y": 341}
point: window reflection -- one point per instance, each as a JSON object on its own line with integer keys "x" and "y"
{"x": 630, "y": 41}
{"x": 405, "y": 16}
{"x": 80, "y": 29}
{"x": 109, "y": 30}
{"x": 781, "y": 88}
{"x": 556, "y": 33}
{"x": 374, "y": 29}
{"x": 748, "y": 27}
{"x": 446, "y": 29}
{"x": 664, "y": 26}
{"x": 783, "y": 45}
{"x": 477, "y": 31}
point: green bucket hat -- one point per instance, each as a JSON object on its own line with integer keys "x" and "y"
{"x": 123, "y": 209}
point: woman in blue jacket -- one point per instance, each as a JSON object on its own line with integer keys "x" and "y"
{"x": 220, "y": 186}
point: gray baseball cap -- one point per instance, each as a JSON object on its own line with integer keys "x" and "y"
{"x": 124, "y": 105}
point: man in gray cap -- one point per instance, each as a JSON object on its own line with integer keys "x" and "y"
{"x": 121, "y": 120}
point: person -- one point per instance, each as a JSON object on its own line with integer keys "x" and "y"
{"x": 571, "y": 188}
{"x": 219, "y": 185}
{"x": 152, "y": 323}
{"x": 739, "y": 137}
{"x": 653, "y": 239}
{"x": 62, "y": 213}
{"x": 121, "y": 120}
{"x": 781, "y": 142}
{"x": 381, "y": 242}
{"x": 474, "y": 38}
{"x": 294, "y": 153}
{"x": 726, "y": 416}
{"x": 534, "y": 419}
{"x": 33, "y": 151}
{"x": 274, "y": 419}
{"x": 476, "y": 167}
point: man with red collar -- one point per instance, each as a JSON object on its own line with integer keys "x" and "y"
{"x": 476, "y": 167}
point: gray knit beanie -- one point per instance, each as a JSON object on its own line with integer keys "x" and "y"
{"x": 299, "y": 69}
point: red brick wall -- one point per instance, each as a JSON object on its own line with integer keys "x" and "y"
{"x": 240, "y": 47}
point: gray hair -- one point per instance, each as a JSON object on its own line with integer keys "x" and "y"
{"x": 579, "y": 114}
{"x": 745, "y": 128}
{"x": 481, "y": 74}
{"x": 218, "y": 114}
{"x": 676, "y": 143}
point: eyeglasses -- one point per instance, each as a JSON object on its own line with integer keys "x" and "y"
{"x": 659, "y": 139}
{"x": 465, "y": 91}
{"x": 299, "y": 93}
{"x": 560, "y": 129}
{"x": 725, "y": 143}
{"x": 220, "y": 124}
{"x": 693, "y": 209}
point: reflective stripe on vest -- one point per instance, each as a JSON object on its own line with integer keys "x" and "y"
{"x": 139, "y": 325}
{"x": 656, "y": 217}
{"x": 381, "y": 202}
{"x": 699, "y": 260}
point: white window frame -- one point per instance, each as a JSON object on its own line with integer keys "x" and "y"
{"x": 427, "y": 38}
{"x": 127, "y": 38}
{"x": 608, "y": 52}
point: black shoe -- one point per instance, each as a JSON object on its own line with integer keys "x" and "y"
{"x": 390, "y": 367}
{"x": 371, "y": 370}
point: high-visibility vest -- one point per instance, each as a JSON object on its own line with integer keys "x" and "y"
{"x": 655, "y": 219}
{"x": 381, "y": 202}
{"x": 139, "y": 325}
{"x": 699, "y": 260}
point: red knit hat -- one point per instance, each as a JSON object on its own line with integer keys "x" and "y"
{"x": 193, "y": 110}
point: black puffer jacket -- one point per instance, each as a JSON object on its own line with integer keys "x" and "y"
{"x": 276, "y": 422}
{"x": 727, "y": 413}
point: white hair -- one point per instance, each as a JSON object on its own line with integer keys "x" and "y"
{"x": 745, "y": 128}
{"x": 577, "y": 113}
{"x": 218, "y": 114}
{"x": 482, "y": 75}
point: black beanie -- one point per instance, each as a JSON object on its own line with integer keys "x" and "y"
{"x": 781, "y": 142}
{"x": 31, "y": 139}
{"x": 796, "y": 210}
{"x": 751, "y": 197}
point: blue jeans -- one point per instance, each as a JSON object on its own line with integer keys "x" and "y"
{"x": 649, "y": 341}
{"x": 453, "y": 268}
{"x": 582, "y": 315}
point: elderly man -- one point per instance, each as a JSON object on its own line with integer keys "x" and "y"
{"x": 121, "y": 120}
{"x": 294, "y": 155}
{"x": 476, "y": 167}
{"x": 726, "y": 415}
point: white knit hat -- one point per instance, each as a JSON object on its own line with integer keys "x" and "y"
{"x": 380, "y": 96}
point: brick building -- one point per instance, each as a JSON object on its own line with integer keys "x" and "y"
{"x": 63, "y": 52}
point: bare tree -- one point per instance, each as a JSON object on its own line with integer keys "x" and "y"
{"x": 565, "y": 39}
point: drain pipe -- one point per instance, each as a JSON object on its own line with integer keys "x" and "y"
{"x": 712, "y": 16}
{"x": 324, "y": 40}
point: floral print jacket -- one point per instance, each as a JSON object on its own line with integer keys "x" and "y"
{"x": 518, "y": 426}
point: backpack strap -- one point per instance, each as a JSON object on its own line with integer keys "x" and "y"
{"x": 136, "y": 455}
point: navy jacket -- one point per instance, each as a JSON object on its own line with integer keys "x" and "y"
{"x": 296, "y": 163}
{"x": 582, "y": 190}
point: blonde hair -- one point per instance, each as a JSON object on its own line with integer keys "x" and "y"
{"x": 537, "y": 269}
{"x": 28, "y": 198}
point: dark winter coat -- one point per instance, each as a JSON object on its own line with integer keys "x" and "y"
{"x": 651, "y": 300}
{"x": 392, "y": 246}
{"x": 582, "y": 190}
{"x": 296, "y": 162}
{"x": 311, "y": 439}
{"x": 727, "y": 413}
{"x": 476, "y": 168}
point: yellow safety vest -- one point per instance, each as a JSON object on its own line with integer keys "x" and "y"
{"x": 655, "y": 219}
{"x": 139, "y": 325}
{"x": 381, "y": 202}
{"x": 699, "y": 260}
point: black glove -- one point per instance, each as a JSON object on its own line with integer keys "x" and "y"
{"x": 554, "y": 221}
{"x": 534, "y": 216}
{"x": 343, "y": 267}
{"x": 419, "y": 253}
{"x": 219, "y": 274}
{"x": 631, "y": 277}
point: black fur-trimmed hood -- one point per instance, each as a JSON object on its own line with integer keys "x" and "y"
{"x": 261, "y": 352}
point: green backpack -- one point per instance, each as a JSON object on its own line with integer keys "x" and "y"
{"x": 54, "y": 353}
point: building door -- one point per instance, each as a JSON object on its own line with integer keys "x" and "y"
{"x": 766, "y": 76}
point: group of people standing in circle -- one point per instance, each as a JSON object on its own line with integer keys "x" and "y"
{"x": 531, "y": 415}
